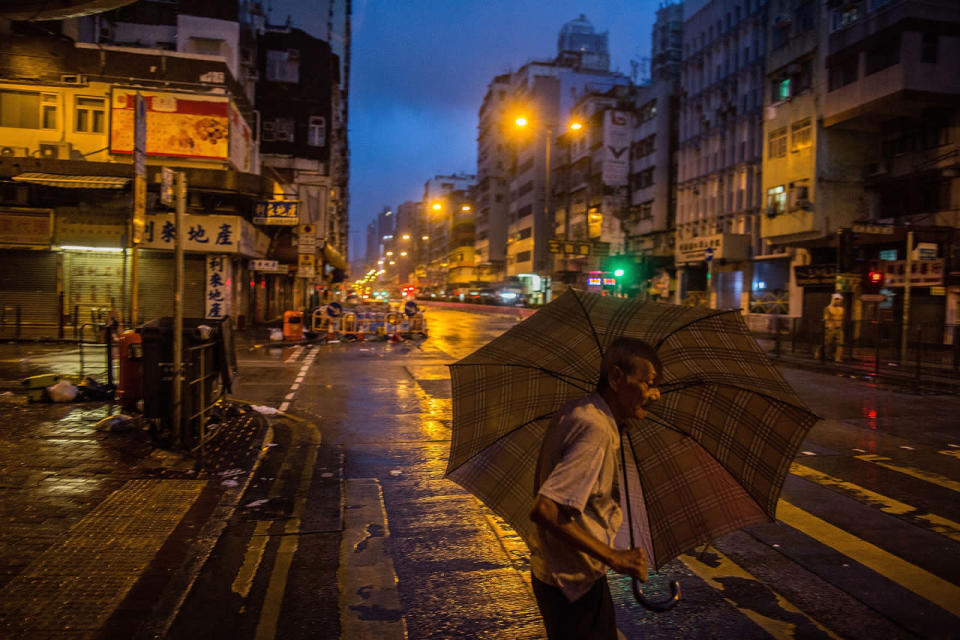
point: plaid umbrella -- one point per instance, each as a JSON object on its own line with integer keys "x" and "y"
{"x": 710, "y": 457}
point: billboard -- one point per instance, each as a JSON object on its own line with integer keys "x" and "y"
{"x": 616, "y": 148}
{"x": 241, "y": 141}
{"x": 182, "y": 125}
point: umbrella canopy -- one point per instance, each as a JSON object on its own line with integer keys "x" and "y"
{"x": 710, "y": 457}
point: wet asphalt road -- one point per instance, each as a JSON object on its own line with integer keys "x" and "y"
{"x": 866, "y": 544}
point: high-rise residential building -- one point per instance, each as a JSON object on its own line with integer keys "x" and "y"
{"x": 408, "y": 240}
{"x": 719, "y": 202}
{"x": 543, "y": 93}
{"x": 493, "y": 167}
{"x": 442, "y": 216}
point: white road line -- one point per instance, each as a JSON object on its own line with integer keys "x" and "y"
{"x": 284, "y": 406}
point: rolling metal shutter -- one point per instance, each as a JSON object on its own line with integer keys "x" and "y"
{"x": 28, "y": 279}
{"x": 156, "y": 285}
{"x": 93, "y": 284}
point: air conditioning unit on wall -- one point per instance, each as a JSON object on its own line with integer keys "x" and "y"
{"x": 55, "y": 150}
{"x": 14, "y": 152}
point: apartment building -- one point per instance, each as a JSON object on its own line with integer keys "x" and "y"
{"x": 719, "y": 200}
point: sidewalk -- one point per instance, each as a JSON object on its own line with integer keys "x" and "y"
{"x": 102, "y": 533}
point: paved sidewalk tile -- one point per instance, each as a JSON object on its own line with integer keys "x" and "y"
{"x": 77, "y": 583}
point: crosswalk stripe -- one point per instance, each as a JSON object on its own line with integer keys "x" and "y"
{"x": 910, "y": 576}
{"x": 927, "y": 476}
{"x": 938, "y": 524}
{"x": 712, "y": 575}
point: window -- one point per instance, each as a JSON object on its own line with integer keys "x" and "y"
{"x": 283, "y": 66}
{"x": 776, "y": 200}
{"x": 523, "y": 256}
{"x": 278, "y": 130}
{"x": 928, "y": 48}
{"x": 317, "y": 131}
{"x": 842, "y": 72}
{"x": 646, "y": 210}
{"x": 525, "y": 233}
{"x": 90, "y": 115}
{"x": 882, "y": 55}
{"x": 777, "y": 143}
{"x": 805, "y": 16}
{"x": 801, "y": 134}
{"x": 844, "y": 18}
{"x": 28, "y": 109}
{"x": 524, "y": 211}
{"x": 780, "y": 35}
{"x": 525, "y": 189}
{"x": 780, "y": 89}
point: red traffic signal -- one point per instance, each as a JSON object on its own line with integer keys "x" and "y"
{"x": 875, "y": 278}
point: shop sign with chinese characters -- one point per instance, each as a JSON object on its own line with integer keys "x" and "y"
{"x": 278, "y": 212}
{"x": 25, "y": 229}
{"x": 923, "y": 273}
{"x": 205, "y": 234}
{"x": 218, "y": 298}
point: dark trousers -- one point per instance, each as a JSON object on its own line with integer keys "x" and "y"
{"x": 590, "y": 617}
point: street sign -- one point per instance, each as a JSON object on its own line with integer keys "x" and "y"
{"x": 708, "y": 254}
{"x": 264, "y": 265}
{"x": 306, "y": 265}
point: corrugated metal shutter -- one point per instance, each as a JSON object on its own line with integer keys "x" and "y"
{"x": 94, "y": 284}
{"x": 156, "y": 285}
{"x": 29, "y": 279}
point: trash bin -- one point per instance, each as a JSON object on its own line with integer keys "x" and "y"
{"x": 204, "y": 361}
{"x": 293, "y": 326}
{"x": 130, "y": 373}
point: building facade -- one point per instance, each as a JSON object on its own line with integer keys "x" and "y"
{"x": 719, "y": 201}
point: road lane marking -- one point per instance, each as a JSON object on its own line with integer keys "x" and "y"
{"x": 289, "y": 542}
{"x": 937, "y": 524}
{"x": 951, "y": 452}
{"x": 925, "y": 584}
{"x": 727, "y": 568}
{"x": 369, "y": 600}
{"x": 251, "y": 559}
{"x": 926, "y": 476}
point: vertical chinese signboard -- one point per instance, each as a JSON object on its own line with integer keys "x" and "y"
{"x": 139, "y": 167}
{"x": 218, "y": 298}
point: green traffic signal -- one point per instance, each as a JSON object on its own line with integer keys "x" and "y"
{"x": 619, "y": 273}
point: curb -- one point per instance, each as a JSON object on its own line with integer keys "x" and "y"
{"x": 180, "y": 585}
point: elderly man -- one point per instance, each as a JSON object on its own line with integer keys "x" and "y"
{"x": 577, "y": 505}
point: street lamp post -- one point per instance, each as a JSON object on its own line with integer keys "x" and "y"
{"x": 548, "y": 127}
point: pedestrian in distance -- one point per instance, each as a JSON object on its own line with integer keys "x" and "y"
{"x": 576, "y": 509}
{"x": 832, "y": 329}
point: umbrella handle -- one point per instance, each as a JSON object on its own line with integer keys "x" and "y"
{"x": 663, "y": 605}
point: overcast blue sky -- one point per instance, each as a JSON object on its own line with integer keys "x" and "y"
{"x": 421, "y": 69}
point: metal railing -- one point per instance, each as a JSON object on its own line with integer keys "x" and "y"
{"x": 202, "y": 394}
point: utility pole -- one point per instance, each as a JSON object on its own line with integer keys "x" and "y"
{"x": 177, "y": 395}
{"x": 905, "y": 319}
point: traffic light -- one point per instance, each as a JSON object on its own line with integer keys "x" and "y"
{"x": 872, "y": 281}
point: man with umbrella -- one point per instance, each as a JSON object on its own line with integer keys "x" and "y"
{"x": 577, "y": 505}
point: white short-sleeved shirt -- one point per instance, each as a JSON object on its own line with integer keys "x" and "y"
{"x": 578, "y": 469}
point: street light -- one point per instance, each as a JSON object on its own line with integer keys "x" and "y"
{"x": 437, "y": 206}
{"x": 405, "y": 236}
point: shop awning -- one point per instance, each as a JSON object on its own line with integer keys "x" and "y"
{"x": 333, "y": 257}
{"x": 73, "y": 182}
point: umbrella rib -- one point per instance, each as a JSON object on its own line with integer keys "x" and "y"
{"x": 562, "y": 377}
{"x": 586, "y": 316}
{"x": 696, "y": 320}
{"x": 680, "y": 386}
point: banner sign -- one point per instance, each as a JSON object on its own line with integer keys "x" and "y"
{"x": 815, "y": 275}
{"x": 205, "y": 234}
{"x": 26, "y": 229}
{"x": 279, "y": 212}
{"x": 218, "y": 298}
{"x": 182, "y": 125}
{"x": 616, "y": 148}
{"x": 924, "y": 273}
{"x": 241, "y": 141}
